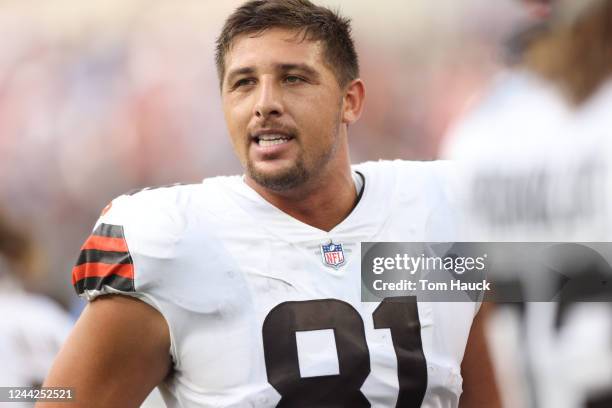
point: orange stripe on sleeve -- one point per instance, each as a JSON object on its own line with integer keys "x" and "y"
{"x": 105, "y": 244}
{"x": 90, "y": 270}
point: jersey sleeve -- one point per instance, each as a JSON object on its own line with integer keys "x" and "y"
{"x": 132, "y": 245}
{"x": 160, "y": 246}
{"x": 105, "y": 262}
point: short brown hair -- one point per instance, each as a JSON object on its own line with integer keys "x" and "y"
{"x": 317, "y": 24}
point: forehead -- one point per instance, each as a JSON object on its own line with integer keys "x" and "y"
{"x": 273, "y": 47}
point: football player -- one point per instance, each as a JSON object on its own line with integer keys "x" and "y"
{"x": 536, "y": 167}
{"x": 245, "y": 291}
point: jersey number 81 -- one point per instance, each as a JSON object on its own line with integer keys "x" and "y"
{"x": 399, "y": 314}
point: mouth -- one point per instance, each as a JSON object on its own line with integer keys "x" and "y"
{"x": 269, "y": 138}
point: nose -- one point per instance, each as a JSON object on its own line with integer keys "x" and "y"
{"x": 268, "y": 100}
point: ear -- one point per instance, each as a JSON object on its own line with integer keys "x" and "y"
{"x": 353, "y": 102}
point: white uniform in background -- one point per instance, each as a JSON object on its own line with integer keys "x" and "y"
{"x": 257, "y": 312}
{"x": 32, "y": 330}
{"x": 535, "y": 169}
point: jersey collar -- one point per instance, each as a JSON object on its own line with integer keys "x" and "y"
{"x": 362, "y": 224}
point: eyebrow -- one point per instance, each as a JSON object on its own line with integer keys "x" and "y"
{"x": 307, "y": 69}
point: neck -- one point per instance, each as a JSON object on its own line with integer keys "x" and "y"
{"x": 321, "y": 203}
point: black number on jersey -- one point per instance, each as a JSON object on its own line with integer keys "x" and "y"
{"x": 400, "y": 315}
{"x": 588, "y": 277}
{"x": 281, "y": 354}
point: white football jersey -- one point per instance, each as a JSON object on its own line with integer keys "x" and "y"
{"x": 535, "y": 169}
{"x": 258, "y": 317}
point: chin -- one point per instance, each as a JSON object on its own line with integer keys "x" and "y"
{"x": 281, "y": 179}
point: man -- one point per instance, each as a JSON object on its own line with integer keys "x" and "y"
{"x": 536, "y": 167}
{"x": 231, "y": 299}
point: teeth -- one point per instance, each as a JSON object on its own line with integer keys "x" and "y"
{"x": 272, "y": 137}
{"x": 272, "y": 140}
{"x": 266, "y": 143}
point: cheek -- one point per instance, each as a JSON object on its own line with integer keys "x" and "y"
{"x": 236, "y": 118}
{"x": 323, "y": 116}
{"x": 316, "y": 111}
{"x": 319, "y": 133}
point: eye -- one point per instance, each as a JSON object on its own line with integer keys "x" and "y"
{"x": 244, "y": 82}
{"x": 293, "y": 79}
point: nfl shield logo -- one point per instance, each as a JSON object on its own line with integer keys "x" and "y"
{"x": 333, "y": 255}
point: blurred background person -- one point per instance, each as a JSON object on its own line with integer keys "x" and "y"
{"x": 535, "y": 166}
{"x": 33, "y": 327}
